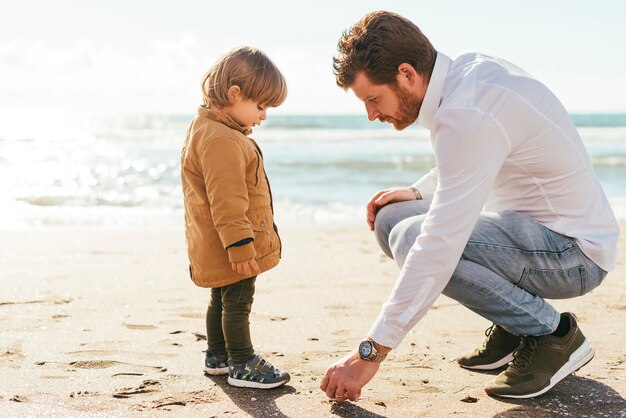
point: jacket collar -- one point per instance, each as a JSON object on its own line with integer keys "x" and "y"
{"x": 223, "y": 118}
{"x": 434, "y": 91}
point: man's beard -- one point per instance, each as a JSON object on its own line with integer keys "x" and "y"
{"x": 408, "y": 108}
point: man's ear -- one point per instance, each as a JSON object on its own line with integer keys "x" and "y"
{"x": 234, "y": 93}
{"x": 406, "y": 70}
{"x": 407, "y": 75}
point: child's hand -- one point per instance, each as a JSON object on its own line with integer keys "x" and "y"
{"x": 248, "y": 268}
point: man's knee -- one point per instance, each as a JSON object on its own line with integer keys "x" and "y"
{"x": 383, "y": 224}
{"x": 390, "y": 216}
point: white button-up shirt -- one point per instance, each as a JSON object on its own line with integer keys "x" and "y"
{"x": 502, "y": 141}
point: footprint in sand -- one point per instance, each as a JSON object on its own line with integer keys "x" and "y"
{"x": 139, "y": 326}
{"x": 18, "y": 398}
{"x": 338, "y": 310}
{"x": 185, "y": 399}
{"x": 124, "y": 368}
{"x": 147, "y": 386}
{"x": 52, "y": 301}
{"x": 428, "y": 389}
{"x": 199, "y": 337}
{"x": 337, "y": 307}
{"x": 193, "y": 315}
{"x": 12, "y": 356}
{"x": 93, "y": 364}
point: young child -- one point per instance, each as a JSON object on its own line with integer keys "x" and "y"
{"x": 229, "y": 225}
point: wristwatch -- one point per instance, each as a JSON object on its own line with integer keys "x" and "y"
{"x": 368, "y": 352}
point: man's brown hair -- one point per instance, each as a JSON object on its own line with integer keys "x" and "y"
{"x": 250, "y": 69}
{"x": 377, "y": 44}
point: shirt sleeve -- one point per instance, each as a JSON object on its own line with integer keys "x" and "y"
{"x": 224, "y": 169}
{"x": 470, "y": 148}
{"x": 427, "y": 184}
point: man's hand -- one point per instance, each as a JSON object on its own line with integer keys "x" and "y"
{"x": 248, "y": 268}
{"x": 345, "y": 379}
{"x": 384, "y": 197}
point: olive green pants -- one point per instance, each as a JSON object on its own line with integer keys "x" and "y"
{"x": 227, "y": 320}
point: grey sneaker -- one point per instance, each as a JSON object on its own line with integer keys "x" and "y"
{"x": 214, "y": 364}
{"x": 496, "y": 351}
{"x": 542, "y": 362}
{"x": 256, "y": 373}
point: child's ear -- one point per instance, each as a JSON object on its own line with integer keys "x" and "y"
{"x": 234, "y": 93}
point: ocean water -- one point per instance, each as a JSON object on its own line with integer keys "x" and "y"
{"x": 60, "y": 170}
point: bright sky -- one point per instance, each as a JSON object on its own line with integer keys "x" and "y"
{"x": 148, "y": 56}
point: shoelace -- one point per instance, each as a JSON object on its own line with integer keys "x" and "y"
{"x": 488, "y": 333}
{"x": 525, "y": 354}
{"x": 489, "y": 330}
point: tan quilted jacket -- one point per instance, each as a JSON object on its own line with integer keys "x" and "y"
{"x": 227, "y": 199}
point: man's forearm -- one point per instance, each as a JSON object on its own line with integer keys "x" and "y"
{"x": 379, "y": 347}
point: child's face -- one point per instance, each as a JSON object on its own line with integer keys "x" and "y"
{"x": 247, "y": 113}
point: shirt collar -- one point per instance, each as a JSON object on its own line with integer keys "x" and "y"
{"x": 222, "y": 118}
{"x": 434, "y": 91}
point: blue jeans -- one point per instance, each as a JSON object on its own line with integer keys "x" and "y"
{"x": 509, "y": 265}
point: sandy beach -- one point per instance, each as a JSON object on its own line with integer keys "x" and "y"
{"x": 107, "y": 323}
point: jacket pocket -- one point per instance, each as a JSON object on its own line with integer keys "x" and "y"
{"x": 265, "y": 238}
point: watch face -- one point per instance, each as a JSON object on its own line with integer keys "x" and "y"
{"x": 365, "y": 349}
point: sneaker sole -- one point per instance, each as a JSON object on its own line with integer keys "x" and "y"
{"x": 216, "y": 371}
{"x": 493, "y": 366}
{"x": 579, "y": 358}
{"x": 256, "y": 385}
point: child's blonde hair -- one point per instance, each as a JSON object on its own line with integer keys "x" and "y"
{"x": 250, "y": 69}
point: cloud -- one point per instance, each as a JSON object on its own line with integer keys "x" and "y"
{"x": 97, "y": 76}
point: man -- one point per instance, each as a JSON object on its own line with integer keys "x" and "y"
{"x": 502, "y": 141}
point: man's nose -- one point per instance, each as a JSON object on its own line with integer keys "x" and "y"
{"x": 372, "y": 112}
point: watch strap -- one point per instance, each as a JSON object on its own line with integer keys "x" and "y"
{"x": 376, "y": 357}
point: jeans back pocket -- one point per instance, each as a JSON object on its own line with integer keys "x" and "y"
{"x": 554, "y": 283}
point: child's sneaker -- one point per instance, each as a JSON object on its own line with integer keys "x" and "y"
{"x": 256, "y": 373}
{"x": 214, "y": 364}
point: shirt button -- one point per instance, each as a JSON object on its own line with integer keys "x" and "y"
{"x": 262, "y": 224}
